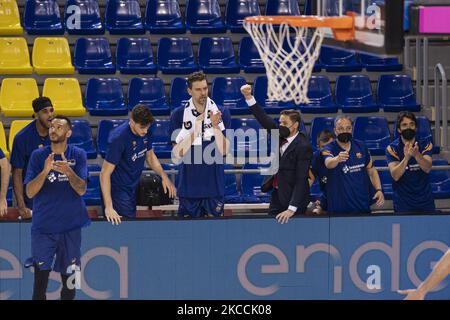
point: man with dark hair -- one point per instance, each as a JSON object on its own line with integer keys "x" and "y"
{"x": 410, "y": 163}
{"x": 197, "y": 127}
{"x": 290, "y": 185}
{"x": 129, "y": 147}
{"x": 30, "y": 138}
{"x": 56, "y": 181}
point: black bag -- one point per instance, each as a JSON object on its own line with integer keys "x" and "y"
{"x": 150, "y": 191}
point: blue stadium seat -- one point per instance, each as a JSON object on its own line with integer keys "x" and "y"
{"x": 178, "y": 92}
{"x": 92, "y": 197}
{"x": 396, "y": 93}
{"x": 380, "y": 64}
{"x": 90, "y": 19}
{"x": 249, "y": 58}
{"x": 254, "y": 141}
{"x": 231, "y": 187}
{"x": 216, "y": 55}
{"x": 319, "y": 124}
{"x": 354, "y": 94}
{"x": 270, "y": 106}
{"x": 124, "y": 17}
{"x": 339, "y": 60}
{"x": 424, "y": 132}
{"x": 440, "y": 180}
{"x": 164, "y": 17}
{"x": 251, "y": 185}
{"x": 160, "y": 136}
{"x": 135, "y": 56}
{"x": 42, "y": 17}
{"x": 93, "y": 56}
{"x": 226, "y": 92}
{"x": 104, "y": 97}
{"x": 148, "y": 91}
{"x": 237, "y": 10}
{"x": 282, "y": 8}
{"x": 176, "y": 56}
{"x": 203, "y": 16}
{"x": 385, "y": 177}
{"x": 374, "y": 132}
{"x": 104, "y": 129}
{"x": 82, "y": 137}
{"x": 320, "y": 96}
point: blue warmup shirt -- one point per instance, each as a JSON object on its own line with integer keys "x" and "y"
{"x": 348, "y": 185}
{"x": 127, "y": 152}
{"x": 199, "y": 180}
{"x": 57, "y": 208}
{"x": 2, "y": 155}
{"x": 25, "y": 142}
{"x": 412, "y": 192}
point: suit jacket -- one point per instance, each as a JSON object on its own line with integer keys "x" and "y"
{"x": 293, "y": 185}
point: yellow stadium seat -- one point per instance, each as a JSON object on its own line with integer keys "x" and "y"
{"x": 52, "y": 56}
{"x": 14, "y": 56}
{"x": 16, "y": 96}
{"x": 16, "y": 126}
{"x": 9, "y": 18}
{"x": 3, "y": 140}
{"x": 65, "y": 94}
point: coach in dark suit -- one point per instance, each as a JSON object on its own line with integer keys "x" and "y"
{"x": 290, "y": 185}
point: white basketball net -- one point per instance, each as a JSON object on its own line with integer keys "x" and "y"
{"x": 289, "y": 55}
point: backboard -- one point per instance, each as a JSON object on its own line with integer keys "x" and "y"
{"x": 378, "y": 24}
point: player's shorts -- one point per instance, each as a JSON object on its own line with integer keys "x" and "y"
{"x": 55, "y": 251}
{"x": 200, "y": 207}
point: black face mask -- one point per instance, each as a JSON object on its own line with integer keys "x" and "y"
{"x": 284, "y": 132}
{"x": 344, "y": 137}
{"x": 408, "y": 134}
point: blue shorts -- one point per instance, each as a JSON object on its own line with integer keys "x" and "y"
{"x": 199, "y": 207}
{"x": 55, "y": 251}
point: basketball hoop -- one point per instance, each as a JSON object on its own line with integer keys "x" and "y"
{"x": 289, "y": 47}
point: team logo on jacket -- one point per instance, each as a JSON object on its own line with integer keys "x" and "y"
{"x": 51, "y": 177}
{"x": 345, "y": 169}
{"x": 359, "y": 155}
{"x": 187, "y": 125}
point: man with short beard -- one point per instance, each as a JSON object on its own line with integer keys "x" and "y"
{"x": 410, "y": 163}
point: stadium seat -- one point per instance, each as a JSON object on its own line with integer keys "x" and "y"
{"x": 320, "y": 96}
{"x": 52, "y": 56}
{"x": 14, "y": 56}
{"x": 249, "y": 58}
{"x": 260, "y": 94}
{"x": 424, "y": 132}
{"x": 374, "y": 132}
{"x": 104, "y": 97}
{"x": 93, "y": 56}
{"x": 15, "y": 127}
{"x": 440, "y": 180}
{"x": 237, "y": 10}
{"x": 216, "y": 55}
{"x": 164, "y": 17}
{"x": 82, "y": 137}
{"x": 254, "y": 140}
{"x": 385, "y": 177}
{"x": 203, "y": 16}
{"x": 231, "y": 186}
{"x": 89, "y": 15}
{"x": 10, "y": 18}
{"x": 148, "y": 91}
{"x": 3, "y": 144}
{"x": 16, "y": 96}
{"x": 339, "y": 60}
{"x": 104, "y": 129}
{"x": 226, "y": 92}
{"x": 92, "y": 197}
{"x": 42, "y": 17}
{"x": 251, "y": 185}
{"x": 65, "y": 94}
{"x": 123, "y": 17}
{"x": 178, "y": 92}
{"x": 282, "y": 8}
{"x": 160, "y": 136}
{"x": 396, "y": 93}
{"x": 380, "y": 64}
{"x": 354, "y": 94}
{"x": 135, "y": 56}
{"x": 176, "y": 56}
{"x": 319, "y": 124}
